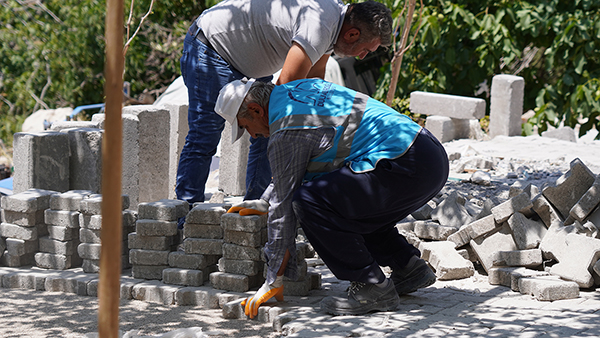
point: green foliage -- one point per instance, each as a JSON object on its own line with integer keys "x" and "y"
{"x": 52, "y": 53}
{"x": 553, "y": 44}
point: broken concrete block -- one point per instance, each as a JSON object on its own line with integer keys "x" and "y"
{"x": 527, "y": 233}
{"x": 548, "y": 288}
{"x": 41, "y": 160}
{"x": 207, "y": 213}
{"x": 448, "y": 264}
{"x": 506, "y": 105}
{"x": 570, "y": 187}
{"x": 587, "y": 203}
{"x": 451, "y": 212}
{"x": 503, "y": 211}
{"x": 472, "y": 230}
{"x": 433, "y": 230}
{"x": 164, "y": 210}
{"x": 485, "y": 246}
{"x": 577, "y": 266}
{"x": 548, "y": 214}
{"x": 527, "y": 258}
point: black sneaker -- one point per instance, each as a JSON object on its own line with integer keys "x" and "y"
{"x": 363, "y": 298}
{"x": 414, "y": 276}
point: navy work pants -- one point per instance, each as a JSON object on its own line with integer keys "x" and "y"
{"x": 349, "y": 218}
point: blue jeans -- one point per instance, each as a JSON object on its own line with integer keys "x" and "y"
{"x": 205, "y": 73}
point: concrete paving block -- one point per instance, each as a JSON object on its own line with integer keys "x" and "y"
{"x": 62, "y": 125}
{"x": 27, "y": 201}
{"x": 27, "y": 219}
{"x": 299, "y": 288}
{"x": 315, "y": 280}
{"x": 69, "y": 200}
{"x": 90, "y": 251}
{"x": 548, "y": 288}
{"x": 178, "y": 131}
{"x": 41, "y": 160}
{"x": 19, "y": 247}
{"x": 433, "y": 230}
{"x": 2, "y": 246}
{"x": 424, "y": 212}
{"x": 452, "y": 212}
{"x": 458, "y": 107}
{"x": 85, "y": 162}
{"x": 506, "y": 105}
{"x": 554, "y": 245}
{"x": 578, "y": 265}
{"x": 233, "y": 163}
{"x": 16, "y": 261}
{"x": 546, "y": 211}
{"x": 25, "y": 279}
{"x": 90, "y": 236}
{"x": 234, "y": 310}
{"x": 501, "y": 275}
{"x": 164, "y": 210}
{"x": 69, "y": 282}
{"x": 151, "y": 227}
{"x": 19, "y": 232}
{"x": 594, "y": 217}
{"x": 154, "y": 292}
{"x": 92, "y": 205}
{"x": 235, "y": 222}
{"x": 90, "y": 265}
{"x": 209, "y": 231}
{"x": 54, "y": 246}
{"x": 241, "y": 266}
{"x": 562, "y": 133}
{"x": 179, "y": 259}
{"x": 527, "y": 258}
{"x": 204, "y": 297}
{"x": 52, "y": 261}
{"x": 527, "y": 233}
{"x": 587, "y": 203}
{"x": 203, "y": 246}
{"x": 234, "y": 282}
{"x": 159, "y": 243}
{"x": 251, "y": 239}
{"x": 232, "y": 251}
{"x": 570, "y": 187}
{"x": 518, "y": 274}
{"x": 184, "y": 277}
{"x": 92, "y": 222}
{"x": 63, "y": 218}
{"x": 148, "y": 257}
{"x": 503, "y": 211}
{"x": 207, "y": 213}
{"x": 485, "y": 246}
{"x": 442, "y": 127}
{"x": 148, "y": 271}
{"x": 63, "y": 233}
{"x": 448, "y": 264}
{"x": 472, "y": 230}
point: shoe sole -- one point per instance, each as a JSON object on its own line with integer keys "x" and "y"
{"x": 423, "y": 277}
{"x": 388, "y": 305}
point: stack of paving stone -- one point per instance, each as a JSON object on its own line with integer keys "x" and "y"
{"x": 241, "y": 267}
{"x": 202, "y": 246}
{"x": 59, "y": 249}
{"x": 23, "y": 225}
{"x": 540, "y": 241}
{"x": 90, "y": 221}
{"x": 155, "y": 237}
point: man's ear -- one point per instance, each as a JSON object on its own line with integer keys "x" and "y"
{"x": 352, "y": 35}
{"x": 256, "y": 108}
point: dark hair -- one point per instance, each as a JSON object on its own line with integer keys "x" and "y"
{"x": 373, "y": 19}
{"x": 260, "y": 93}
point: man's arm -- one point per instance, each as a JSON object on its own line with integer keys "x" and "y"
{"x": 298, "y": 66}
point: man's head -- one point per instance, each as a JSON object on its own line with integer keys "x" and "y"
{"x": 244, "y": 103}
{"x": 366, "y": 26}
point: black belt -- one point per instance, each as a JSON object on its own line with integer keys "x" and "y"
{"x": 196, "y": 32}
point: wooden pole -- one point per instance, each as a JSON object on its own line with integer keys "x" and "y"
{"x": 397, "y": 60}
{"x": 112, "y": 157}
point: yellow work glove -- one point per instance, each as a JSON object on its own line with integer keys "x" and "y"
{"x": 251, "y": 207}
{"x": 263, "y": 294}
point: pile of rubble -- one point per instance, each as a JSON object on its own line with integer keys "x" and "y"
{"x": 542, "y": 240}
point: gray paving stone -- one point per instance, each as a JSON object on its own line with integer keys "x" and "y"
{"x": 577, "y": 265}
{"x": 587, "y": 203}
{"x": 241, "y": 266}
{"x": 164, "y": 209}
{"x": 203, "y": 246}
{"x": 433, "y": 231}
{"x": 424, "y": 212}
{"x": 69, "y": 200}
{"x": 148, "y": 271}
{"x": 570, "y": 187}
{"x": 15, "y": 261}
{"x": 516, "y": 275}
{"x": 235, "y": 222}
{"x": 69, "y": 282}
{"x": 148, "y": 257}
{"x": 472, "y": 230}
{"x": 30, "y": 200}
{"x": 54, "y": 246}
{"x": 159, "y": 243}
{"x": 19, "y": 247}
{"x": 452, "y": 212}
{"x": 527, "y": 233}
{"x": 234, "y": 282}
{"x": 179, "y": 259}
{"x": 209, "y": 231}
{"x": 185, "y": 277}
{"x": 154, "y": 292}
{"x": 52, "y": 261}
{"x": 448, "y": 264}
{"x": 63, "y": 218}
{"x": 232, "y": 251}
{"x": 19, "y": 232}
{"x": 63, "y": 233}
{"x": 251, "y": 239}
{"x": 554, "y": 245}
{"x": 526, "y": 258}
{"x": 506, "y": 105}
{"x": 503, "y": 211}
{"x": 27, "y": 219}
{"x": 90, "y": 251}
{"x": 485, "y": 246}
{"x": 546, "y": 211}
{"x": 205, "y": 297}
{"x": 546, "y": 288}
{"x": 150, "y": 227}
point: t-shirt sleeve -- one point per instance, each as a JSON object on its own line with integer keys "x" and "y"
{"x": 316, "y": 31}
